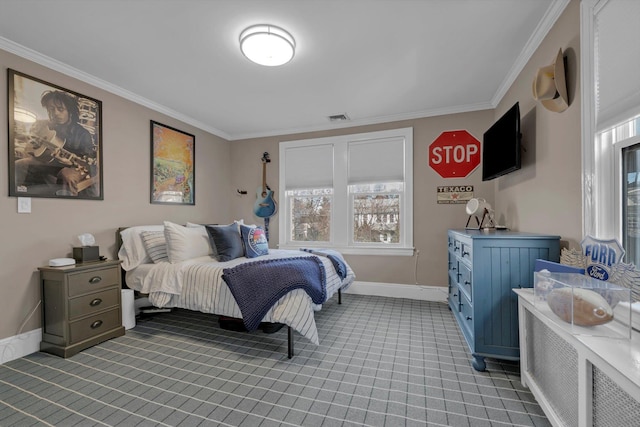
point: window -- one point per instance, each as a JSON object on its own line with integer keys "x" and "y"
{"x": 610, "y": 120}
{"x": 623, "y": 141}
{"x": 351, "y": 192}
{"x": 631, "y": 202}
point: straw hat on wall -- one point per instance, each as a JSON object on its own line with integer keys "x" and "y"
{"x": 550, "y": 86}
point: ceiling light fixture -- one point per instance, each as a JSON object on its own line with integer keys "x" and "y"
{"x": 267, "y": 45}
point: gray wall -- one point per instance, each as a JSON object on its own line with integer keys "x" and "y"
{"x": 546, "y": 195}
{"x": 30, "y": 240}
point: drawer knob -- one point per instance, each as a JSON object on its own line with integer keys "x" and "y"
{"x": 96, "y": 324}
{"x": 95, "y": 279}
{"x": 455, "y": 295}
{"x": 466, "y": 282}
{"x": 465, "y": 253}
{"x": 468, "y": 317}
{"x": 95, "y": 302}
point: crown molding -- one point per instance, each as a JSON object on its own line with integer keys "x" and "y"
{"x": 541, "y": 31}
{"x": 46, "y": 61}
{"x": 552, "y": 14}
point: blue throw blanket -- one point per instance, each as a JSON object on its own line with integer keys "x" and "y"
{"x": 258, "y": 285}
{"x": 334, "y": 256}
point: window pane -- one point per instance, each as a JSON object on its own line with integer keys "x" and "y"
{"x": 631, "y": 203}
{"x": 376, "y": 210}
{"x": 310, "y": 215}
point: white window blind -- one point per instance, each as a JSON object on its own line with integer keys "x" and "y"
{"x": 309, "y": 167}
{"x": 617, "y": 62}
{"x": 335, "y": 175}
{"x": 376, "y": 161}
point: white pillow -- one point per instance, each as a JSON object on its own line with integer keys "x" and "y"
{"x": 185, "y": 243}
{"x": 132, "y": 253}
{"x": 203, "y": 230}
{"x": 156, "y": 245}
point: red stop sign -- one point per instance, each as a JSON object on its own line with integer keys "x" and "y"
{"x": 454, "y": 154}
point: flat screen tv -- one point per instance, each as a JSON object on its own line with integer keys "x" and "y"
{"x": 501, "y": 145}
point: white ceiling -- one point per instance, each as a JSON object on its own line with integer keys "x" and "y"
{"x": 375, "y": 60}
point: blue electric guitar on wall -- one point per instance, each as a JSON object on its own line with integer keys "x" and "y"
{"x": 265, "y": 205}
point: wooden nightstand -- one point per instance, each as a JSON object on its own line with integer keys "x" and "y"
{"x": 80, "y": 306}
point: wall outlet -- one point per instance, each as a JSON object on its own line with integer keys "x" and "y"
{"x": 24, "y": 204}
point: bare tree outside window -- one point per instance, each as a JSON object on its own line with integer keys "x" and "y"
{"x": 311, "y": 215}
{"x": 376, "y": 210}
{"x": 376, "y": 218}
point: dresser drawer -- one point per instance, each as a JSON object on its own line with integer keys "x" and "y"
{"x": 95, "y": 325}
{"x": 92, "y": 303}
{"x": 453, "y": 264}
{"x": 466, "y": 315}
{"x": 464, "y": 279}
{"x": 466, "y": 250}
{"x": 454, "y": 297}
{"x": 91, "y": 281}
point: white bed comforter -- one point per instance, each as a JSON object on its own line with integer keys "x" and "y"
{"x": 197, "y": 285}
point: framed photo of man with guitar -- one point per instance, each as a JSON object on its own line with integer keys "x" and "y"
{"x": 55, "y": 141}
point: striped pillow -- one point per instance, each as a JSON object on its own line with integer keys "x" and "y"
{"x": 155, "y": 244}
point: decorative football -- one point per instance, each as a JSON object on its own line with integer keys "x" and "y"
{"x": 589, "y": 307}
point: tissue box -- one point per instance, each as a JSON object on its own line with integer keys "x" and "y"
{"x": 86, "y": 253}
{"x": 586, "y": 305}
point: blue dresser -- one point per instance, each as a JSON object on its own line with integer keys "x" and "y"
{"x": 484, "y": 267}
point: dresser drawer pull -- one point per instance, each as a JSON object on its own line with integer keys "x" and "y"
{"x": 465, "y": 253}
{"x": 95, "y": 279}
{"x": 96, "y": 302}
{"x": 468, "y": 317}
{"x": 96, "y": 324}
{"x": 466, "y": 282}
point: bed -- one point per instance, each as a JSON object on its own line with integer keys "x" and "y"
{"x": 198, "y": 268}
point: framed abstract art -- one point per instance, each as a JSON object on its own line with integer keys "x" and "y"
{"x": 172, "y": 166}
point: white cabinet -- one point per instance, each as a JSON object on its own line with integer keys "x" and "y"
{"x": 578, "y": 380}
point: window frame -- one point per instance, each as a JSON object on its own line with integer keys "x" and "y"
{"x": 601, "y": 158}
{"x": 342, "y": 214}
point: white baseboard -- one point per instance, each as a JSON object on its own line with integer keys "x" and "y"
{"x": 395, "y": 290}
{"x": 21, "y": 345}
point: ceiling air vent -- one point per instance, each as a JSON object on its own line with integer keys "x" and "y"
{"x": 339, "y": 118}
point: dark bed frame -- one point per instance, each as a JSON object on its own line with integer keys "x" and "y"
{"x": 290, "y": 350}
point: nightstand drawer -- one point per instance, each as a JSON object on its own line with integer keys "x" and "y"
{"x": 91, "y": 326}
{"x": 92, "y": 303}
{"x": 91, "y": 281}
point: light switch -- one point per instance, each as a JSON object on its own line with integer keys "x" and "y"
{"x": 24, "y": 204}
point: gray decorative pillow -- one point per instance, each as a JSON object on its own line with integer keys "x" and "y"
{"x": 226, "y": 240}
{"x": 156, "y": 245}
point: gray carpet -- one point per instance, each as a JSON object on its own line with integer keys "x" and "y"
{"x": 381, "y": 362}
